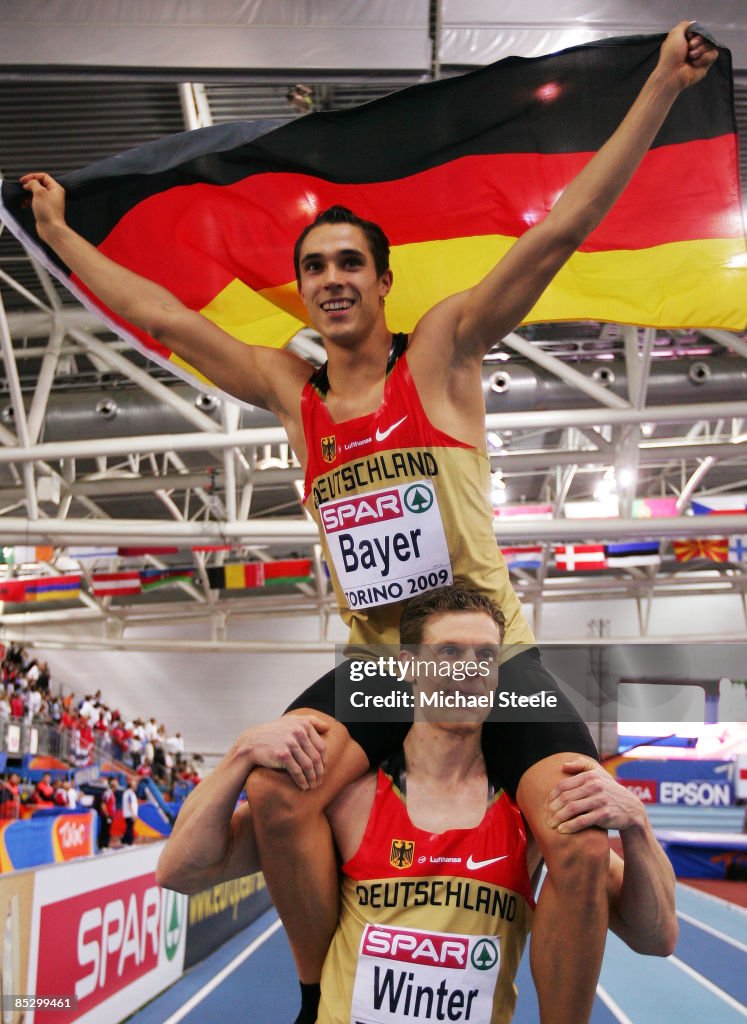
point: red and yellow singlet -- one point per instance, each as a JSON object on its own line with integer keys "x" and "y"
{"x": 401, "y": 508}
{"x": 432, "y": 927}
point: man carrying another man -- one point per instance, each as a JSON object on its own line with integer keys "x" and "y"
{"x": 438, "y": 867}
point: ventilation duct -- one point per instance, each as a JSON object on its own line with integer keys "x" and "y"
{"x": 508, "y": 387}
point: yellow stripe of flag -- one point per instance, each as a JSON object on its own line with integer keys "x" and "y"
{"x": 668, "y": 285}
{"x": 234, "y": 577}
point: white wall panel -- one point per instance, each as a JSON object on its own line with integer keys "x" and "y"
{"x": 217, "y": 34}
{"x": 686, "y": 617}
{"x": 476, "y": 32}
{"x": 210, "y": 697}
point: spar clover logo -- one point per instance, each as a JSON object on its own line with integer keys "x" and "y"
{"x": 418, "y": 498}
{"x": 174, "y": 916}
{"x": 484, "y": 955}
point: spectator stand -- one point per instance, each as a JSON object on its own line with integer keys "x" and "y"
{"x": 63, "y": 749}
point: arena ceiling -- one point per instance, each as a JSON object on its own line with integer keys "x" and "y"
{"x": 101, "y": 448}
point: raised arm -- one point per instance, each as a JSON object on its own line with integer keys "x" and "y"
{"x": 641, "y": 886}
{"x": 265, "y": 377}
{"x": 471, "y": 322}
{"x": 213, "y": 840}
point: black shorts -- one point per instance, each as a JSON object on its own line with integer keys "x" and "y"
{"x": 510, "y": 746}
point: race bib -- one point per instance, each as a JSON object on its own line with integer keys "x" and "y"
{"x": 409, "y": 975}
{"x": 388, "y": 545}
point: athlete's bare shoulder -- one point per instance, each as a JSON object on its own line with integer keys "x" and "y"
{"x": 349, "y": 811}
{"x": 270, "y": 378}
{"x": 284, "y": 375}
{"x": 435, "y": 332}
{"x": 448, "y": 376}
{"x": 276, "y": 381}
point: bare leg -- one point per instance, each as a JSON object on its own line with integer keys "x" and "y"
{"x": 570, "y": 924}
{"x": 296, "y": 849}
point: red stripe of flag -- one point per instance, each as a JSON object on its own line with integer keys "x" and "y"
{"x": 114, "y": 584}
{"x": 13, "y": 590}
{"x": 500, "y": 193}
{"x": 294, "y": 567}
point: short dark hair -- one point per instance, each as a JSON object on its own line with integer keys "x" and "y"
{"x": 377, "y": 240}
{"x": 461, "y": 596}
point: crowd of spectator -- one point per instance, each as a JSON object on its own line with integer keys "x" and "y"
{"x": 84, "y": 731}
{"x": 25, "y": 686}
{"x": 141, "y": 745}
{"x": 55, "y": 793}
{"x": 48, "y": 792}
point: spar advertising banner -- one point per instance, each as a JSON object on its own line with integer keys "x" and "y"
{"x": 690, "y": 783}
{"x": 105, "y": 938}
{"x": 16, "y": 898}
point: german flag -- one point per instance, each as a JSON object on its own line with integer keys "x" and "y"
{"x": 454, "y": 171}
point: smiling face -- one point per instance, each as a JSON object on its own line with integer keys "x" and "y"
{"x": 339, "y": 285}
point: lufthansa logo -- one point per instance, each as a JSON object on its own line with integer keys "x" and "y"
{"x": 418, "y": 498}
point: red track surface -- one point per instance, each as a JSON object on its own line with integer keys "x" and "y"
{"x": 734, "y": 892}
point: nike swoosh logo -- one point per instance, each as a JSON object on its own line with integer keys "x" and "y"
{"x": 382, "y": 435}
{"x": 473, "y": 865}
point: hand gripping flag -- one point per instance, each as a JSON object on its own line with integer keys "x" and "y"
{"x": 454, "y": 171}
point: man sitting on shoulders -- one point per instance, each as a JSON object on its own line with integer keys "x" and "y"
{"x": 438, "y": 866}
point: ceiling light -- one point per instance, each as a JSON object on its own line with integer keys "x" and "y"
{"x": 497, "y": 488}
{"x": 606, "y": 487}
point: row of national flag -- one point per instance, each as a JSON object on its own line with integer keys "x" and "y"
{"x": 24, "y": 554}
{"x": 129, "y": 583}
{"x": 247, "y": 575}
{"x": 643, "y": 508}
{"x": 588, "y": 557}
{"x": 250, "y": 575}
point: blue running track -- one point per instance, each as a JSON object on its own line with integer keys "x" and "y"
{"x": 251, "y": 980}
